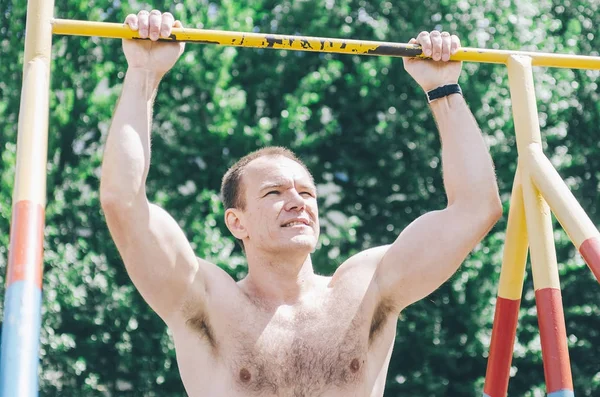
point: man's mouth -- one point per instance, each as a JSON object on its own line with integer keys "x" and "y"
{"x": 298, "y": 222}
{"x": 294, "y": 224}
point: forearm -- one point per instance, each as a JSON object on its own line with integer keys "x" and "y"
{"x": 127, "y": 152}
{"x": 468, "y": 169}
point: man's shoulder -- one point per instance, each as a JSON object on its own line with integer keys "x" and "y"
{"x": 215, "y": 274}
{"x": 361, "y": 265}
{"x": 214, "y": 287}
{"x": 358, "y": 271}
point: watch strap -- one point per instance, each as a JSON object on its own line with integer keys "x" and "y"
{"x": 443, "y": 91}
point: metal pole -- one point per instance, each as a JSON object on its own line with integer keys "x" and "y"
{"x": 22, "y": 302}
{"x": 551, "y": 321}
{"x": 319, "y": 44}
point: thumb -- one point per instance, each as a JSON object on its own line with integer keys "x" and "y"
{"x": 408, "y": 59}
{"x": 178, "y": 24}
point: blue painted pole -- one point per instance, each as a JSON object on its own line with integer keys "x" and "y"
{"x": 19, "y": 355}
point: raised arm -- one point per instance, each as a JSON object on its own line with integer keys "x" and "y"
{"x": 432, "y": 247}
{"x": 157, "y": 255}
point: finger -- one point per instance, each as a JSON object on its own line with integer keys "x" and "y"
{"x": 425, "y": 42}
{"x": 446, "y": 44}
{"x": 455, "y": 44}
{"x": 132, "y": 21}
{"x": 177, "y": 24}
{"x": 154, "y": 23}
{"x": 436, "y": 45}
{"x": 166, "y": 24}
{"x": 143, "y": 23}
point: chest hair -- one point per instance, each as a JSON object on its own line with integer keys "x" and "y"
{"x": 300, "y": 355}
{"x": 300, "y": 358}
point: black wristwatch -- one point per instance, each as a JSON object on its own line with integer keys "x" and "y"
{"x": 443, "y": 91}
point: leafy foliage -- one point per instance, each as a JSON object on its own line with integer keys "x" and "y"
{"x": 363, "y": 128}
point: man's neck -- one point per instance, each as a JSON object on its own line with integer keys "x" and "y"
{"x": 279, "y": 280}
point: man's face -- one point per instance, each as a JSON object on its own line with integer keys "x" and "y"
{"x": 281, "y": 205}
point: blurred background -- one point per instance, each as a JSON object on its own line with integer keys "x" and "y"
{"x": 364, "y": 129}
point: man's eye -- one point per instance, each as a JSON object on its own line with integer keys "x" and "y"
{"x": 307, "y": 193}
{"x": 272, "y": 192}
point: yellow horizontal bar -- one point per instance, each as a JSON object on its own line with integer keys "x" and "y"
{"x": 319, "y": 44}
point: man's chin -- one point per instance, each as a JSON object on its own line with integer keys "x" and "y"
{"x": 305, "y": 242}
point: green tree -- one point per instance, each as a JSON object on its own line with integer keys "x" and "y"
{"x": 363, "y": 128}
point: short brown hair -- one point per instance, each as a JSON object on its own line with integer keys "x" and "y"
{"x": 231, "y": 186}
{"x": 232, "y": 189}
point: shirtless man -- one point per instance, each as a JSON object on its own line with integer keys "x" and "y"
{"x": 283, "y": 330}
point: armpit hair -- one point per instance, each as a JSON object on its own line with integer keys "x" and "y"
{"x": 384, "y": 309}
{"x": 199, "y": 323}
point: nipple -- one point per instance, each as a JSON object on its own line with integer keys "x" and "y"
{"x": 245, "y": 375}
{"x": 355, "y": 365}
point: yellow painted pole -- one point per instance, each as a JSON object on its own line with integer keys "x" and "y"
{"x": 568, "y": 211}
{"x": 319, "y": 44}
{"x": 509, "y": 296}
{"x": 555, "y": 355}
{"x": 22, "y": 302}
{"x": 564, "y": 205}
{"x": 515, "y": 246}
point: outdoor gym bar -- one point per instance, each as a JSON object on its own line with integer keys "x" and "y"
{"x": 319, "y": 44}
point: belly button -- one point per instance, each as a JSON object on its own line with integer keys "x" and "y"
{"x": 355, "y": 365}
{"x": 245, "y": 375}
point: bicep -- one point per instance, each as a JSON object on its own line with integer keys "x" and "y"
{"x": 428, "y": 252}
{"x": 157, "y": 255}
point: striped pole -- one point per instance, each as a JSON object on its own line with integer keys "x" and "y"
{"x": 555, "y": 354}
{"x": 22, "y": 301}
{"x": 568, "y": 211}
{"x": 509, "y": 297}
{"x": 319, "y": 44}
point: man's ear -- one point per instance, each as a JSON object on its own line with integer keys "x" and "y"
{"x": 234, "y": 219}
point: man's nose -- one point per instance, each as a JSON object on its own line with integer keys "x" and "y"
{"x": 295, "y": 201}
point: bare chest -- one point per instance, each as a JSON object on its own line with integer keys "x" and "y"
{"x": 304, "y": 354}
{"x": 335, "y": 345}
